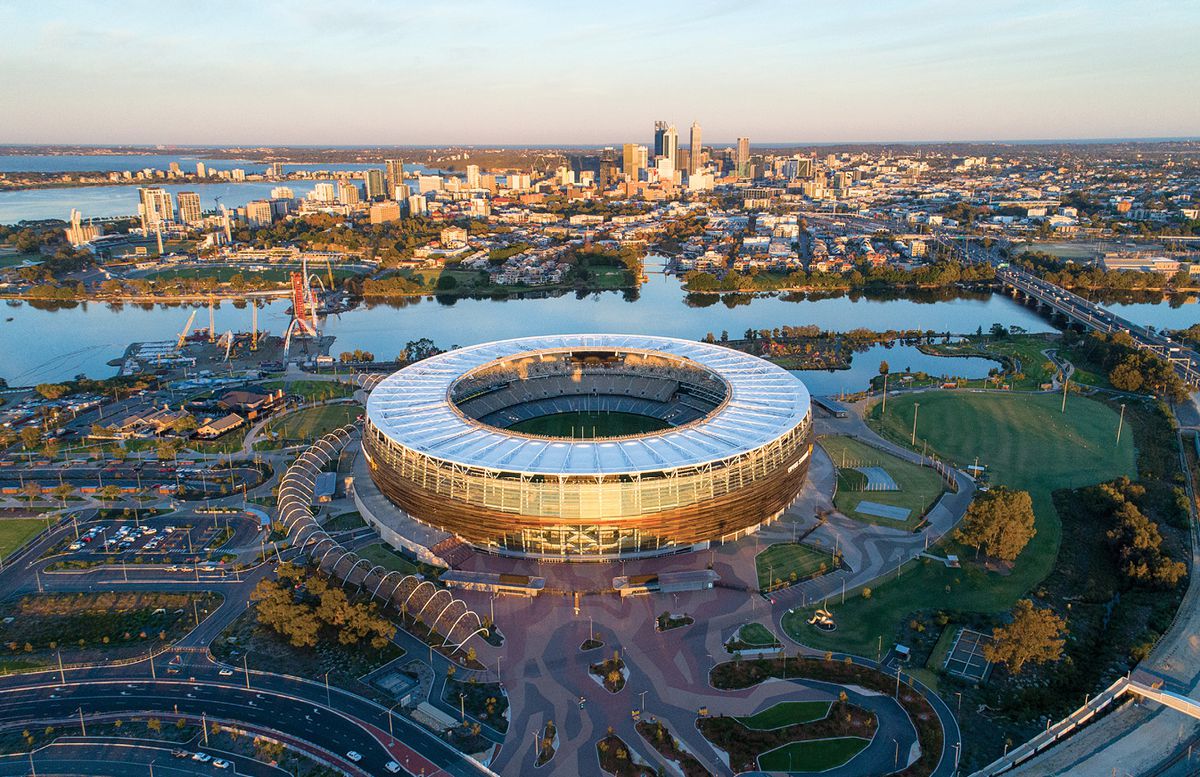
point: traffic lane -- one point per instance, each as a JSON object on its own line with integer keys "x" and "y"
{"x": 327, "y": 729}
{"x": 336, "y": 730}
{"x": 136, "y": 755}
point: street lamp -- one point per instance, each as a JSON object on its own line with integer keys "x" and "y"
{"x": 916, "y": 407}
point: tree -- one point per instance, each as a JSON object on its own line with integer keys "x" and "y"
{"x": 1033, "y": 636}
{"x": 884, "y": 368}
{"x": 52, "y": 390}
{"x": 30, "y": 437}
{"x": 110, "y": 493}
{"x": 998, "y": 523}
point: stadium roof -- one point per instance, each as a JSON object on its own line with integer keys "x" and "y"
{"x": 412, "y": 407}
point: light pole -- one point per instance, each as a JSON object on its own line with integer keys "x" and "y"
{"x": 82, "y": 727}
{"x": 327, "y": 702}
{"x": 1120, "y": 423}
{"x": 916, "y": 407}
{"x": 643, "y": 704}
{"x": 391, "y": 710}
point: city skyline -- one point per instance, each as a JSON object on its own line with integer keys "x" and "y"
{"x": 544, "y": 74}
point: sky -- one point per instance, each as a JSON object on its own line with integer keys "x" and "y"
{"x": 569, "y": 72}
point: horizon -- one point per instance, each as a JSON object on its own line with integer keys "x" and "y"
{"x": 534, "y": 73}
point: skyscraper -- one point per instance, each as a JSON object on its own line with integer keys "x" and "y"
{"x": 376, "y": 188}
{"x": 395, "y": 176}
{"x": 660, "y": 131}
{"x": 347, "y": 193}
{"x": 154, "y": 207}
{"x": 670, "y": 148}
{"x": 189, "y": 208}
{"x": 201, "y": 170}
{"x": 633, "y": 157}
{"x": 742, "y": 160}
{"x": 694, "y": 162}
{"x": 472, "y": 176}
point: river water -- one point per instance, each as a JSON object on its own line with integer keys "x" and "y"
{"x": 43, "y": 343}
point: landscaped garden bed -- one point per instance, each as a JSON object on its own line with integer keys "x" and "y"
{"x": 611, "y": 673}
{"x": 733, "y": 675}
{"x": 486, "y": 702}
{"x": 669, "y": 620}
{"x": 659, "y": 736}
{"x": 753, "y": 637}
{"x": 616, "y": 759}
{"x": 745, "y": 745}
{"x": 547, "y": 745}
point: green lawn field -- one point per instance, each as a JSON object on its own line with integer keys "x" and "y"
{"x": 1027, "y": 444}
{"x": 788, "y": 713}
{"x": 778, "y": 562}
{"x": 378, "y": 553}
{"x": 311, "y": 390}
{"x": 307, "y": 425}
{"x": 919, "y": 486}
{"x": 15, "y": 532}
{"x": 815, "y": 755}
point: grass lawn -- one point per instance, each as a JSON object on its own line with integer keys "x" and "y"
{"x": 778, "y": 562}
{"x": 307, "y": 425}
{"x": 14, "y": 260}
{"x": 311, "y": 390}
{"x": 345, "y": 522}
{"x": 756, "y": 635}
{"x": 1025, "y": 349}
{"x": 391, "y": 560}
{"x": 1028, "y": 445}
{"x": 813, "y": 756}
{"x": 919, "y": 486}
{"x": 223, "y": 274}
{"x": 15, "y": 532}
{"x": 788, "y": 713}
{"x": 226, "y": 443}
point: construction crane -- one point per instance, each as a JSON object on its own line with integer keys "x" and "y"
{"x": 212, "y": 320}
{"x": 186, "y": 328}
{"x": 253, "y": 326}
{"x": 226, "y": 340}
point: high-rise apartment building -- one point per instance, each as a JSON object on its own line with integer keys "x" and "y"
{"x": 694, "y": 147}
{"x": 155, "y": 207}
{"x": 324, "y": 192}
{"x": 633, "y": 157}
{"x": 394, "y": 173}
{"x": 201, "y": 170}
{"x": 742, "y": 157}
{"x": 259, "y": 213}
{"x": 282, "y": 193}
{"x": 472, "y": 176}
{"x": 189, "y": 208}
{"x": 376, "y": 187}
{"x": 79, "y": 233}
{"x": 348, "y": 193}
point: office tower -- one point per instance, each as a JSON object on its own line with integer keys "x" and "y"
{"x": 376, "y": 188}
{"x": 189, "y": 208}
{"x": 633, "y": 157}
{"x": 395, "y": 176}
{"x": 201, "y": 170}
{"x": 324, "y": 192}
{"x": 694, "y": 162}
{"x": 348, "y": 193}
{"x": 742, "y": 160}
{"x": 282, "y": 193}
{"x": 154, "y": 207}
{"x": 670, "y": 145}
{"x": 79, "y": 233}
{"x": 472, "y": 176}
{"x": 429, "y": 183}
{"x": 660, "y": 132}
{"x": 259, "y": 213}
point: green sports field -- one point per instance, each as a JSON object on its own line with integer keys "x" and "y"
{"x": 778, "y": 562}
{"x": 580, "y": 425}
{"x": 307, "y": 425}
{"x": 1027, "y": 444}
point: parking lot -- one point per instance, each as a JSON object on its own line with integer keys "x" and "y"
{"x": 166, "y": 540}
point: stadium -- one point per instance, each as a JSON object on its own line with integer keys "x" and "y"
{"x": 590, "y": 447}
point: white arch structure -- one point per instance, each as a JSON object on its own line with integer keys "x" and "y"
{"x": 451, "y": 618}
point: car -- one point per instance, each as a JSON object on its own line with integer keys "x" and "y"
{"x": 201, "y": 757}
{"x": 221, "y": 763}
{"x": 392, "y": 767}
{"x": 226, "y": 673}
{"x": 178, "y": 753}
{"x": 354, "y": 756}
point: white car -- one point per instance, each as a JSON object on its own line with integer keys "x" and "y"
{"x": 202, "y": 757}
{"x": 354, "y": 756}
{"x": 392, "y": 767}
{"x": 226, "y": 673}
{"x": 221, "y": 763}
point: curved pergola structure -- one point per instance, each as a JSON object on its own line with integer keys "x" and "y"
{"x": 444, "y": 615}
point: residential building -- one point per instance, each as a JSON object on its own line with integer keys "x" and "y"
{"x": 79, "y": 233}
{"x": 259, "y": 213}
{"x": 375, "y": 185}
{"x": 472, "y": 176}
{"x": 382, "y": 212}
{"x": 154, "y": 207}
{"x": 189, "y": 208}
{"x": 742, "y": 158}
{"x": 695, "y": 150}
{"x": 348, "y": 193}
